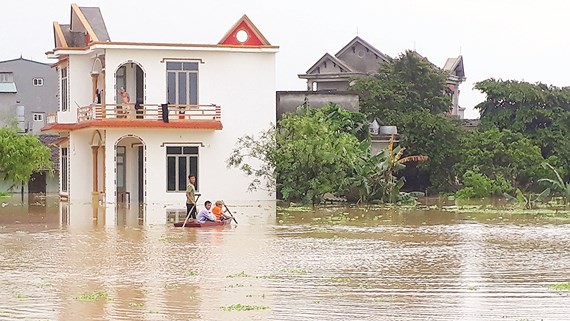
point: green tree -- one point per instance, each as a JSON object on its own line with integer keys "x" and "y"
{"x": 22, "y": 155}
{"x": 406, "y": 84}
{"x": 312, "y": 152}
{"x": 411, "y": 93}
{"x": 502, "y": 156}
{"x": 537, "y": 111}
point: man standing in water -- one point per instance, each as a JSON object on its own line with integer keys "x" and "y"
{"x": 191, "y": 197}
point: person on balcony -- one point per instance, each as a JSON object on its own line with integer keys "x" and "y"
{"x": 126, "y": 100}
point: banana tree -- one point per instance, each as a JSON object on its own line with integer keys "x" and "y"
{"x": 558, "y": 184}
{"x": 393, "y": 163}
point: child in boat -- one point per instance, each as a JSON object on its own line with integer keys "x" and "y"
{"x": 218, "y": 211}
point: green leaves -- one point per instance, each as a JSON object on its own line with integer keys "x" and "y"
{"x": 22, "y": 155}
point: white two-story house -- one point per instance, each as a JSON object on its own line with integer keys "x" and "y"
{"x": 189, "y": 103}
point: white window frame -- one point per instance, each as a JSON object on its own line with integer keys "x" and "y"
{"x": 64, "y": 169}
{"x": 38, "y": 81}
{"x": 188, "y": 154}
{"x": 64, "y": 88}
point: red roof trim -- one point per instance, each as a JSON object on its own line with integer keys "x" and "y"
{"x": 187, "y": 124}
{"x": 254, "y": 36}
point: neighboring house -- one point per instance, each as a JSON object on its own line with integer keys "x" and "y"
{"x": 28, "y": 92}
{"x": 359, "y": 58}
{"x": 189, "y": 103}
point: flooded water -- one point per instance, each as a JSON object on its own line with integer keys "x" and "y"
{"x": 69, "y": 263}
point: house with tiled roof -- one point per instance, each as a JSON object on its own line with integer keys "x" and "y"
{"x": 359, "y": 58}
{"x": 136, "y": 118}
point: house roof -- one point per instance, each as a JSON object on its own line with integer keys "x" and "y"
{"x": 333, "y": 59}
{"x": 83, "y": 20}
{"x": 24, "y": 59}
{"x": 361, "y": 41}
{"x": 8, "y": 88}
{"x": 96, "y": 22}
{"x": 455, "y": 65}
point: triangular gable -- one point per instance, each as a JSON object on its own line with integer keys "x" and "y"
{"x": 58, "y": 37}
{"x": 77, "y": 16}
{"x": 329, "y": 58}
{"x": 455, "y": 66}
{"x": 365, "y": 44}
{"x": 244, "y": 33}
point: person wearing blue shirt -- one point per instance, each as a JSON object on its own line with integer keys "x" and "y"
{"x": 205, "y": 215}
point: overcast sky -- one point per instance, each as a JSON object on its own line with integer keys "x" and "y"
{"x": 508, "y": 39}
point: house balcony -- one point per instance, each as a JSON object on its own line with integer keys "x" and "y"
{"x": 141, "y": 115}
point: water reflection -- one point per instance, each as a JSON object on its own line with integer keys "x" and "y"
{"x": 65, "y": 260}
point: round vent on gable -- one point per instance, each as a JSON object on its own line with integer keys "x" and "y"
{"x": 242, "y": 36}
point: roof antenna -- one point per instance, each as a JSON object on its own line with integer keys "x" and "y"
{"x": 357, "y": 31}
{"x": 20, "y": 55}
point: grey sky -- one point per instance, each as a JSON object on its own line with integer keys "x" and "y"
{"x": 508, "y": 39}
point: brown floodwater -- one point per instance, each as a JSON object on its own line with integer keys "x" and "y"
{"x": 62, "y": 262}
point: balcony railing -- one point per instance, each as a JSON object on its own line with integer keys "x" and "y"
{"x": 111, "y": 112}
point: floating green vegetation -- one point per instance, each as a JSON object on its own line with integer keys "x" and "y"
{"x": 237, "y": 285}
{"x": 242, "y": 274}
{"x": 294, "y": 208}
{"x": 136, "y": 304}
{"x": 243, "y": 307}
{"x": 270, "y": 276}
{"x": 559, "y": 286}
{"x": 249, "y": 296}
{"x": 22, "y": 296}
{"x": 172, "y": 286}
{"x": 472, "y": 288}
{"x": 4, "y": 194}
{"x": 94, "y": 296}
{"x": 296, "y": 271}
{"x": 191, "y": 273}
{"x": 44, "y": 285}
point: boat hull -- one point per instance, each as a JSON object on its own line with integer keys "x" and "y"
{"x": 205, "y": 224}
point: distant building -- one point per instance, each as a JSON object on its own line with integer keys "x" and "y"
{"x": 358, "y": 59}
{"x": 27, "y": 93}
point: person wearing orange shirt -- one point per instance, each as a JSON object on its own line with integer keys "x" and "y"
{"x": 218, "y": 211}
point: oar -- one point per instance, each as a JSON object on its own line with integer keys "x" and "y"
{"x": 227, "y": 209}
{"x": 189, "y": 213}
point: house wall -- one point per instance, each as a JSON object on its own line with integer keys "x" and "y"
{"x": 7, "y": 108}
{"x": 242, "y": 83}
{"x": 332, "y": 85}
{"x": 288, "y": 101}
{"x": 35, "y": 99}
{"x": 79, "y": 87}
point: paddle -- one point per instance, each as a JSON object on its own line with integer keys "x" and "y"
{"x": 227, "y": 209}
{"x": 188, "y": 215}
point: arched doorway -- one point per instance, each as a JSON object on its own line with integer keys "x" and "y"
{"x": 130, "y": 180}
{"x": 130, "y": 76}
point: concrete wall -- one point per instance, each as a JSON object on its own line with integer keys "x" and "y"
{"x": 35, "y": 99}
{"x": 288, "y": 101}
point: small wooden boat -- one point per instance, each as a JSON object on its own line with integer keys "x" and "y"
{"x": 193, "y": 223}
